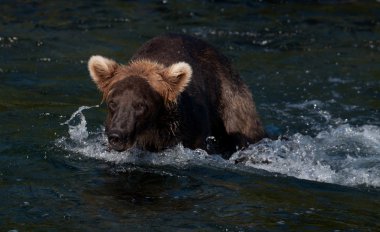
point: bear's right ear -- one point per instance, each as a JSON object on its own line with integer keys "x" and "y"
{"x": 101, "y": 70}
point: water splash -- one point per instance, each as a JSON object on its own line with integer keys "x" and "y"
{"x": 94, "y": 145}
{"x": 343, "y": 154}
{"x": 78, "y": 125}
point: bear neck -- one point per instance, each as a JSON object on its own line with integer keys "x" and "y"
{"x": 164, "y": 133}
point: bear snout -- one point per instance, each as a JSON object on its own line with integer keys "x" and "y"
{"x": 116, "y": 141}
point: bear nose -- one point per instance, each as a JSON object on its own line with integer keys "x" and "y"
{"x": 116, "y": 141}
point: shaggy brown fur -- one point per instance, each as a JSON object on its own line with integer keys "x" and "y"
{"x": 176, "y": 89}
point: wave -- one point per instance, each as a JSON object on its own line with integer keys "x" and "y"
{"x": 344, "y": 154}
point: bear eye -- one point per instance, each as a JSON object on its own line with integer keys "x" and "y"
{"x": 112, "y": 105}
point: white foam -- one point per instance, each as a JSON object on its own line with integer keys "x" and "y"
{"x": 344, "y": 154}
{"x": 94, "y": 145}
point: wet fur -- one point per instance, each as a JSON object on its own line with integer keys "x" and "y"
{"x": 202, "y": 95}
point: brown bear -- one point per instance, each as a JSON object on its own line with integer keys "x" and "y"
{"x": 176, "y": 89}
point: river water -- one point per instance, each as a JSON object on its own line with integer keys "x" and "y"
{"x": 314, "y": 72}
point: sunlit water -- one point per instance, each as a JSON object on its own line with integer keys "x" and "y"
{"x": 312, "y": 66}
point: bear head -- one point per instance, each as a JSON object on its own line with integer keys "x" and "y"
{"x": 138, "y": 97}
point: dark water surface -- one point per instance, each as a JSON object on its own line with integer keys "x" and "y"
{"x": 313, "y": 69}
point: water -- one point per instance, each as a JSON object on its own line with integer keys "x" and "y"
{"x": 313, "y": 69}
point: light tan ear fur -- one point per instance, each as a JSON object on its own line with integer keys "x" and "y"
{"x": 177, "y": 76}
{"x": 101, "y": 71}
{"x": 169, "y": 82}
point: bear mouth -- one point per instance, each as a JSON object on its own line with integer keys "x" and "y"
{"x": 119, "y": 145}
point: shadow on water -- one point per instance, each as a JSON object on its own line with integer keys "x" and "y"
{"x": 217, "y": 199}
{"x": 147, "y": 186}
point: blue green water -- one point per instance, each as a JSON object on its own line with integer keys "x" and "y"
{"x": 313, "y": 69}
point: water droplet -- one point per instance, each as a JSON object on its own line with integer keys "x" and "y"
{"x": 45, "y": 59}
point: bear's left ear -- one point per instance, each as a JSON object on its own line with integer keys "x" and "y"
{"x": 177, "y": 76}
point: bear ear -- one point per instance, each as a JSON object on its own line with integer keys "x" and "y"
{"x": 101, "y": 70}
{"x": 177, "y": 76}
